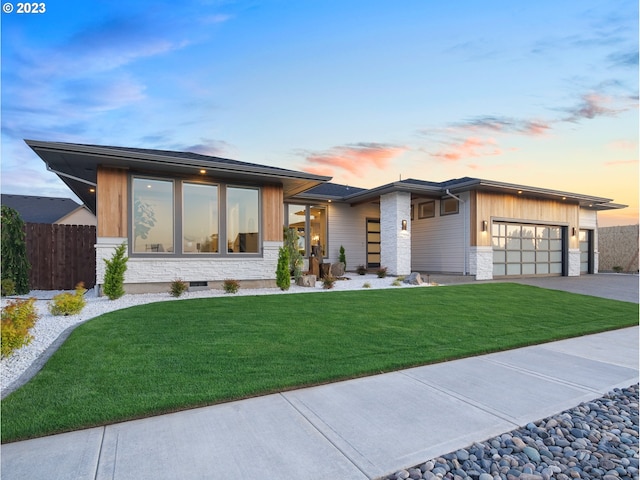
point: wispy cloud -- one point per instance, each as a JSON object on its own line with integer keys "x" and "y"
{"x": 614, "y": 163}
{"x": 353, "y": 159}
{"x": 471, "y": 147}
{"x": 504, "y": 125}
{"x": 594, "y": 105}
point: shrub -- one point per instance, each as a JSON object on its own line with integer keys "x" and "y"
{"x": 283, "y": 274}
{"x": 342, "y": 258}
{"x": 396, "y": 283}
{"x": 18, "y": 317}
{"x": 15, "y": 264}
{"x": 361, "y": 269}
{"x": 382, "y": 272}
{"x": 366, "y": 285}
{"x": 8, "y": 287}
{"x": 114, "y": 276}
{"x": 328, "y": 282}
{"x": 617, "y": 269}
{"x": 295, "y": 257}
{"x": 178, "y": 287}
{"x": 231, "y": 286}
{"x": 69, "y": 303}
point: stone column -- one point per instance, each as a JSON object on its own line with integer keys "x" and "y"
{"x": 574, "y": 262}
{"x": 395, "y": 248}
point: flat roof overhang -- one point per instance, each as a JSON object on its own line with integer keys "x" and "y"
{"x": 77, "y": 166}
{"x": 439, "y": 191}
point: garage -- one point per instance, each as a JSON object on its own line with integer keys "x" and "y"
{"x": 527, "y": 249}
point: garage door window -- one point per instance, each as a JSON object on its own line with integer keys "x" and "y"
{"x": 521, "y": 249}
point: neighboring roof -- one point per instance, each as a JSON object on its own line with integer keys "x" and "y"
{"x": 77, "y": 164}
{"x": 458, "y": 185}
{"x": 329, "y": 191}
{"x": 34, "y": 209}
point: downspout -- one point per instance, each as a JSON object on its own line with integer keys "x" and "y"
{"x": 464, "y": 231}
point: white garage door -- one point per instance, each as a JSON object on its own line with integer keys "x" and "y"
{"x": 523, "y": 249}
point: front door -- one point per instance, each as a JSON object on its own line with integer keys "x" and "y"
{"x": 373, "y": 242}
{"x": 586, "y": 251}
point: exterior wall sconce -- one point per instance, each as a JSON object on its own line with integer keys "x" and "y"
{"x": 573, "y": 231}
{"x": 404, "y": 224}
{"x": 485, "y": 225}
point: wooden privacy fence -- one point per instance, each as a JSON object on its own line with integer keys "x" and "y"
{"x": 61, "y": 256}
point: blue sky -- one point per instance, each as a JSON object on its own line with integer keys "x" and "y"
{"x": 535, "y": 93}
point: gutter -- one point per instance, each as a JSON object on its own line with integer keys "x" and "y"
{"x": 77, "y": 179}
{"x": 464, "y": 226}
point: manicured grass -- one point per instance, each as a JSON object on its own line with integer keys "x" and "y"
{"x": 169, "y": 356}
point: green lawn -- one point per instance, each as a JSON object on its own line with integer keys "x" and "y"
{"x": 169, "y": 356}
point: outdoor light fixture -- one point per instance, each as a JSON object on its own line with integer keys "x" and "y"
{"x": 573, "y": 231}
{"x": 484, "y": 225}
{"x": 404, "y": 224}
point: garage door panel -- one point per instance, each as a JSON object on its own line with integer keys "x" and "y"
{"x": 524, "y": 249}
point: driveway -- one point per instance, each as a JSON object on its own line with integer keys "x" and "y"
{"x": 615, "y": 286}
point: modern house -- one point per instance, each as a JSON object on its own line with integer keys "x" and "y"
{"x": 205, "y": 219}
{"x": 54, "y": 210}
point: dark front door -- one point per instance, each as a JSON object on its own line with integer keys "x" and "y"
{"x": 373, "y": 242}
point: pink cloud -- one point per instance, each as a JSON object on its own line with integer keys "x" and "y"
{"x": 472, "y": 147}
{"x": 354, "y": 159}
{"x": 621, "y": 162}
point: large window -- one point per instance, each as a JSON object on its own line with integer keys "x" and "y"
{"x": 310, "y": 221}
{"x": 199, "y": 218}
{"x": 242, "y": 220}
{"x": 152, "y": 216}
{"x": 188, "y": 218}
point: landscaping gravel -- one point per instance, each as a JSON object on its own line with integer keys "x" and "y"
{"x": 51, "y": 331}
{"x": 595, "y": 440}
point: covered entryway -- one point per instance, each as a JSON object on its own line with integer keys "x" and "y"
{"x": 373, "y": 242}
{"x": 525, "y": 249}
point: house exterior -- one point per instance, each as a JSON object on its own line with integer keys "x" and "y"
{"x": 53, "y": 210}
{"x": 204, "y": 219}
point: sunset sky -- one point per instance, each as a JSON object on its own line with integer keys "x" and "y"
{"x": 535, "y": 93}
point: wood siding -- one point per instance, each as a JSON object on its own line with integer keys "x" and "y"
{"x": 112, "y": 202}
{"x": 495, "y": 206}
{"x": 348, "y": 227}
{"x": 272, "y": 213}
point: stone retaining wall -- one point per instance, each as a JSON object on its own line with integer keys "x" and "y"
{"x": 618, "y": 246}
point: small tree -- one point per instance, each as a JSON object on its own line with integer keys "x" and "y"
{"x": 283, "y": 275}
{"x": 114, "y": 275}
{"x": 342, "y": 258}
{"x": 15, "y": 264}
{"x": 295, "y": 257}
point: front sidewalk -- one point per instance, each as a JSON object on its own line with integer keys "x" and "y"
{"x": 357, "y": 429}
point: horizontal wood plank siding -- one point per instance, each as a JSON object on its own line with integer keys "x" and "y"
{"x": 272, "y": 213}
{"x": 112, "y": 202}
{"x": 348, "y": 227}
{"x": 524, "y": 210}
{"x": 437, "y": 244}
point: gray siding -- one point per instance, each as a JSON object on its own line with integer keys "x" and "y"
{"x": 347, "y": 227}
{"x": 438, "y": 243}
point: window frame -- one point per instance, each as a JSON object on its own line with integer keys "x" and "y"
{"x": 178, "y": 219}
{"x": 423, "y": 212}
{"x": 444, "y": 201}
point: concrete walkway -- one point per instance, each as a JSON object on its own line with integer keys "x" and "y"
{"x": 358, "y": 429}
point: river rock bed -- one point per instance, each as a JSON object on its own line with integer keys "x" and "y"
{"x": 595, "y": 440}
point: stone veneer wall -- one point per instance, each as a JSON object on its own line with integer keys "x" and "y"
{"x": 395, "y": 243}
{"x": 574, "y": 262}
{"x": 481, "y": 262}
{"x": 618, "y": 246}
{"x": 162, "y": 271}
